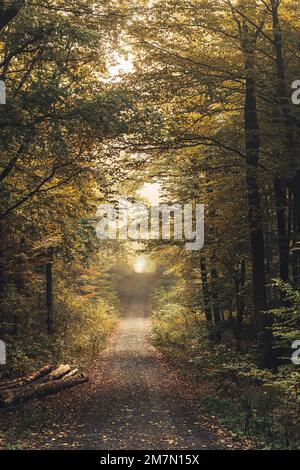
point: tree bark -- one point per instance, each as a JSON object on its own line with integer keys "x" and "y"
{"x": 23, "y": 381}
{"x": 49, "y": 298}
{"x": 8, "y": 397}
{"x": 290, "y": 129}
{"x": 262, "y": 322}
{"x": 60, "y": 372}
{"x": 71, "y": 374}
{"x": 282, "y": 228}
{"x": 205, "y": 290}
{"x": 252, "y": 145}
{"x": 215, "y": 296}
{"x": 240, "y": 304}
{"x": 2, "y": 278}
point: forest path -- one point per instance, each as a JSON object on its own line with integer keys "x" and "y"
{"x": 133, "y": 401}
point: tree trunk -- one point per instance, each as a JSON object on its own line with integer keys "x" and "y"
{"x": 2, "y": 275}
{"x": 9, "y": 397}
{"x": 290, "y": 137}
{"x": 60, "y": 372}
{"x": 295, "y": 248}
{"x": 205, "y": 289}
{"x": 71, "y": 373}
{"x": 240, "y": 304}
{"x": 2, "y": 252}
{"x": 49, "y": 298}
{"x": 215, "y": 296}
{"x": 23, "y": 381}
{"x": 282, "y": 229}
{"x": 262, "y": 322}
{"x": 284, "y": 99}
{"x": 252, "y": 145}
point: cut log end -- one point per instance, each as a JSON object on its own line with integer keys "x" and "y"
{"x": 60, "y": 372}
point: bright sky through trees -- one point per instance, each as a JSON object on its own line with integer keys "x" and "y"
{"x": 151, "y": 192}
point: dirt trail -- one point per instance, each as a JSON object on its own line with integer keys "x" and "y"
{"x": 133, "y": 401}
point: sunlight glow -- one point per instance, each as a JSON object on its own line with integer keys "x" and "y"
{"x": 122, "y": 65}
{"x": 143, "y": 264}
{"x": 140, "y": 264}
{"x": 151, "y": 192}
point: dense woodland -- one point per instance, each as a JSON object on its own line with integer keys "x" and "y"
{"x": 206, "y": 112}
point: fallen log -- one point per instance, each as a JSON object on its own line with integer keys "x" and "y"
{"x": 71, "y": 374}
{"x": 60, "y": 372}
{"x": 9, "y": 397}
{"x": 23, "y": 381}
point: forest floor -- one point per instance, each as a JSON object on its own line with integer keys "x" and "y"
{"x": 133, "y": 400}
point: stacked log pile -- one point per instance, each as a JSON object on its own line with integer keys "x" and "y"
{"x": 40, "y": 383}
